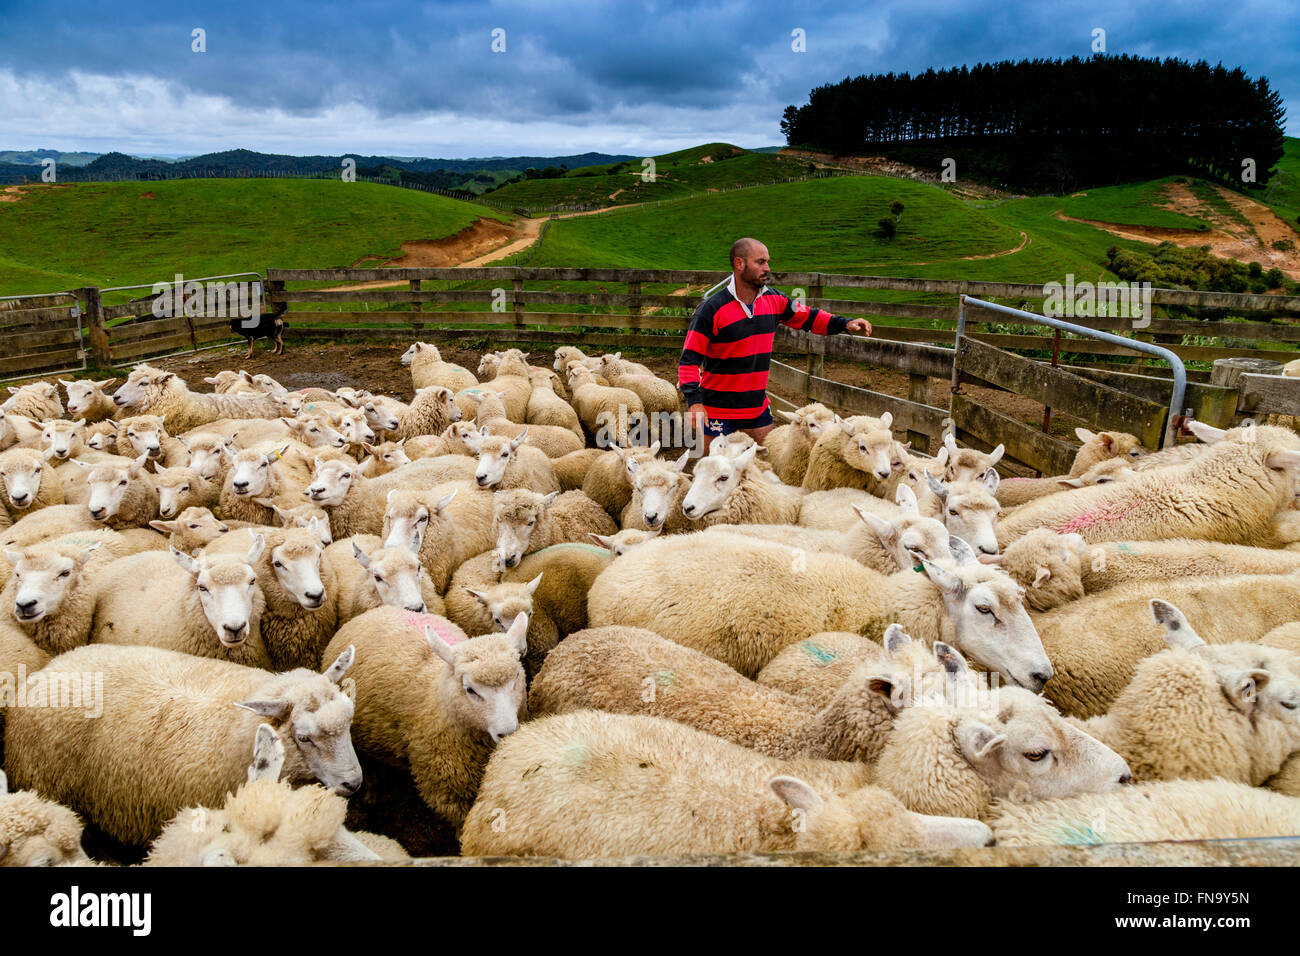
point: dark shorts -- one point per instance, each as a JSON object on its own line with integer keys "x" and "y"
{"x": 725, "y": 426}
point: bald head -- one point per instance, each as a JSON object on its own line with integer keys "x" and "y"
{"x": 750, "y": 264}
{"x": 743, "y": 249}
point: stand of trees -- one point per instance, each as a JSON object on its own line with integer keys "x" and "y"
{"x": 1054, "y": 125}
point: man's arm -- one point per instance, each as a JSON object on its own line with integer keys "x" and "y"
{"x": 797, "y": 315}
{"x": 695, "y": 353}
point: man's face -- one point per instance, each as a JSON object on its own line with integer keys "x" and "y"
{"x": 756, "y": 267}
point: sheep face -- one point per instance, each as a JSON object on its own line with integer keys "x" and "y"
{"x": 624, "y": 541}
{"x": 82, "y": 394}
{"x": 315, "y": 431}
{"x": 967, "y": 464}
{"x": 716, "y": 479}
{"x": 267, "y": 385}
{"x": 812, "y": 420}
{"x": 354, "y": 428}
{"x": 102, "y": 436}
{"x": 108, "y": 486}
{"x": 488, "y": 365}
{"x": 302, "y": 516}
{"x": 296, "y": 563}
{"x": 195, "y": 523}
{"x": 314, "y": 719}
{"x": 566, "y": 354}
{"x": 139, "y": 384}
{"x": 387, "y": 457}
{"x": 353, "y": 397}
{"x": 515, "y": 515}
{"x": 989, "y": 619}
{"x": 485, "y": 689}
{"x": 332, "y": 482}
{"x": 250, "y": 473}
{"x": 37, "y": 832}
{"x": 656, "y": 481}
{"x": 378, "y": 417}
{"x": 395, "y": 574}
{"x": 21, "y": 470}
{"x": 144, "y": 434}
{"x": 44, "y": 392}
{"x": 206, "y": 453}
{"x": 1261, "y": 682}
{"x": 506, "y": 601}
{"x": 224, "y": 380}
{"x": 909, "y": 538}
{"x": 175, "y": 485}
{"x": 874, "y": 451}
{"x": 227, "y": 588}
{"x": 1049, "y": 565}
{"x": 61, "y": 439}
{"x": 406, "y": 519}
{"x": 495, "y": 452}
{"x": 970, "y": 511}
{"x": 870, "y": 819}
{"x": 1026, "y": 751}
{"x": 43, "y": 578}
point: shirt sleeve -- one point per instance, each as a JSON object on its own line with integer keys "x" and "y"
{"x": 797, "y": 315}
{"x": 695, "y": 354}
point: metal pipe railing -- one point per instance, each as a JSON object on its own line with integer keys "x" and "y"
{"x": 1177, "y": 396}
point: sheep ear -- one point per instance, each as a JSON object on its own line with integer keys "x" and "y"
{"x": 1178, "y": 632}
{"x": 439, "y": 646}
{"x": 133, "y": 469}
{"x": 318, "y": 462}
{"x": 941, "y": 459}
{"x": 268, "y": 755}
{"x": 185, "y": 561}
{"x": 87, "y": 554}
{"x": 164, "y": 527}
{"x": 746, "y": 457}
{"x": 341, "y": 664}
{"x": 1084, "y": 435}
{"x": 961, "y": 551}
{"x": 884, "y": 686}
{"x": 83, "y": 465}
{"x": 977, "y": 740}
{"x": 887, "y": 419}
{"x": 605, "y": 541}
{"x": 895, "y": 639}
{"x": 950, "y": 443}
{"x": 1243, "y": 687}
{"x": 13, "y": 556}
{"x": 363, "y": 469}
{"x": 1075, "y": 542}
{"x": 991, "y": 479}
{"x": 942, "y": 578}
{"x": 906, "y": 499}
{"x": 1206, "y": 433}
{"x": 105, "y": 383}
{"x": 1107, "y": 440}
{"x": 951, "y": 660}
{"x": 796, "y": 794}
{"x": 532, "y": 585}
{"x": 4, "y": 788}
{"x": 255, "y": 551}
{"x": 884, "y": 530}
{"x": 1283, "y": 459}
{"x": 654, "y": 449}
{"x": 937, "y": 486}
{"x": 996, "y": 455}
{"x": 680, "y": 464}
{"x": 518, "y": 632}
{"x": 480, "y": 596}
{"x": 548, "y": 500}
{"x": 1071, "y": 482}
{"x": 786, "y": 415}
{"x": 363, "y": 559}
{"x": 444, "y": 501}
{"x": 271, "y": 707}
{"x": 519, "y": 439}
{"x": 1041, "y": 574}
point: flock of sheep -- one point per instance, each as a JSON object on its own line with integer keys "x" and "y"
{"x": 217, "y": 606}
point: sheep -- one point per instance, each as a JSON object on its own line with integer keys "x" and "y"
{"x": 571, "y": 470}
{"x": 356, "y": 504}
{"x": 837, "y": 509}
{"x": 590, "y": 784}
{"x": 431, "y": 699}
{"x": 858, "y": 452}
{"x": 1285, "y": 636}
{"x": 455, "y": 439}
{"x": 967, "y": 464}
{"x": 550, "y": 586}
{"x": 609, "y": 479}
{"x": 89, "y": 400}
{"x": 369, "y": 575}
{"x": 146, "y": 435}
{"x": 657, "y": 490}
{"x": 428, "y": 369}
{"x": 444, "y": 526}
{"x": 52, "y": 522}
{"x": 192, "y": 529}
{"x": 1016, "y": 491}
{"x": 37, "y": 832}
{"x": 19, "y": 430}
{"x": 602, "y": 408}
{"x": 1111, "y": 563}
{"x": 505, "y": 372}
{"x": 970, "y": 510}
{"x": 554, "y": 441}
{"x": 524, "y": 521}
{"x": 736, "y": 444}
{"x": 62, "y": 439}
{"x": 181, "y": 488}
{"x": 210, "y": 454}
{"x": 546, "y": 407}
{"x": 121, "y": 495}
{"x": 509, "y": 463}
{"x": 788, "y": 446}
{"x": 628, "y": 670}
{"x": 1197, "y": 712}
{"x": 265, "y": 822}
{"x": 1104, "y": 446}
{"x": 48, "y": 594}
{"x": 815, "y": 669}
{"x": 1047, "y": 565}
{"x": 719, "y": 594}
{"x": 175, "y": 732}
{"x": 624, "y": 541}
{"x": 209, "y": 606}
{"x": 150, "y": 391}
{"x": 29, "y": 484}
{"x": 101, "y": 436}
{"x": 37, "y": 400}
{"x": 1229, "y": 493}
{"x": 266, "y": 472}
{"x": 570, "y": 353}
{"x": 658, "y": 397}
{"x": 430, "y": 412}
{"x": 1096, "y": 642}
{"x": 384, "y": 414}
{"x": 884, "y": 545}
{"x": 1164, "y": 810}
{"x": 385, "y": 457}
{"x": 228, "y": 381}
{"x": 732, "y": 491}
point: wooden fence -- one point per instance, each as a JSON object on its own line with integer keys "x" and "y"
{"x": 914, "y": 323}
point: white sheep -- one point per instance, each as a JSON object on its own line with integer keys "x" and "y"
{"x": 48, "y": 596}
{"x": 88, "y": 399}
{"x": 510, "y": 463}
{"x": 547, "y": 407}
{"x": 788, "y": 446}
{"x": 858, "y": 452}
{"x": 524, "y": 521}
{"x": 445, "y": 526}
{"x": 356, "y": 503}
{"x": 970, "y": 510}
{"x": 1016, "y": 491}
{"x": 1104, "y": 446}
{"x": 37, "y": 832}
{"x": 968, "y": 464}
{"x": 175, "y": 731}
{"x": 370, "y": 575}
{"x": 658, "y": 488}
{"x": 732, "y": 491}
{"x": 62, "y": 439}
{"x": 430, "y": 412}
{"x": 603, "y": 410}
{"x": 552, "y": 440}
{"x": 28, "y": 483}
{"x": 608, "y": 481}
{"x": 37, "y": 400}
{"x": 150, "y": 391}
{"x": 429, "y": 370}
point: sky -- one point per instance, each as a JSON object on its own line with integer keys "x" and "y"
{"x": 423, "y": 79}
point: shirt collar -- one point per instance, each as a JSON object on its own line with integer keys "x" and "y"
{"x": 731, "y": 288}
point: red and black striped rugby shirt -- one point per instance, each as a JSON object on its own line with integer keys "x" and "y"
{"x": 728, "y": 350}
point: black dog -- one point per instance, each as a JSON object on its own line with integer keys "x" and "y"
{"x": 267, "y": 325}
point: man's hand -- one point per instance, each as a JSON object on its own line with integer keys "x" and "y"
{"x": 858, "y": 325}
{"x": 696, "y": 415}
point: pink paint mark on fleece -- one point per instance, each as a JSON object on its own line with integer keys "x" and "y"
{"x": 1099, "y": 515}
{"x": 436, "y": 624}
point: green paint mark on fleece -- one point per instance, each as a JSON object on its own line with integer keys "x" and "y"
{"x": 665, "y": 678}
{"x": 1125, "y": 548}
{"x": 1082, "y": 835}
{"x": 818, "y": 653}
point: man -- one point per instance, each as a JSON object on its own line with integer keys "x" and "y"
{"x": 728, "y": 347}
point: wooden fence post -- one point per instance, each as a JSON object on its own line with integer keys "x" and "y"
{"x": 634, "y": 307}
{"x": 816, "y": 343}
{"x": 416, "y": 306}
{"x": 100, "y": 354}
{"x": 918, "y": 390}
{"x": 517, "y": 290}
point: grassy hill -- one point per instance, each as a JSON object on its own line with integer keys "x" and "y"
{"x": 110, "y": 234}
{"x": 1283, "y": 192}
{"x": 713, "y": 166}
